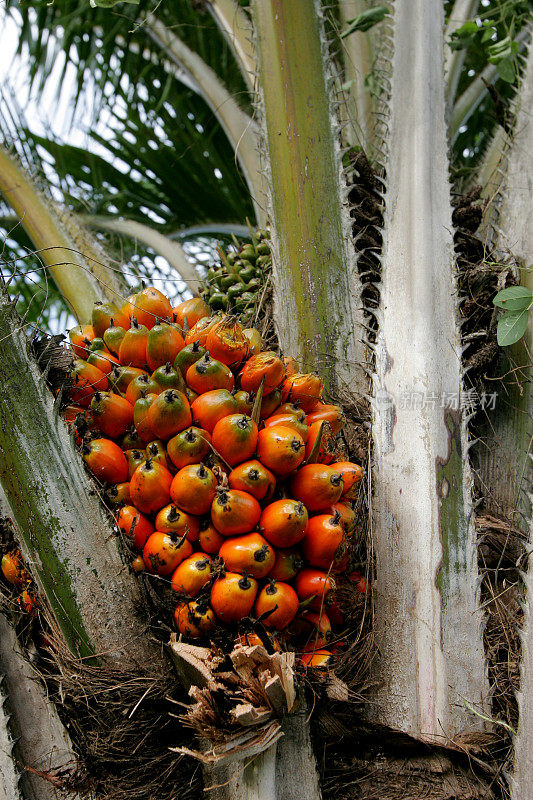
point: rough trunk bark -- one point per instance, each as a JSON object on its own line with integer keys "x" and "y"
{"x": 42, "y": 744}
{"x": 66, "y": 537}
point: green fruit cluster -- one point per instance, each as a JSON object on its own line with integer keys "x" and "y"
{"x": 235, "y": 284}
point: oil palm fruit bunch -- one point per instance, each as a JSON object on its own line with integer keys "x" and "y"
{"x": 223, "y": 465}
{"x": 234, "y": 285}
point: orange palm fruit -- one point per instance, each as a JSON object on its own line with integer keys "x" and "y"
{"x": 140, "y": 417}
{"x": 254, "y": 478}
{"x": 208, "y": 374}
{"x": 172, "y": 519}
{"x": 151, "y": 306}
{"x": 194, "y": 619}
{"x": 111, "y": 413}
{"x": 134, "y": 525}
{"x": 164, "y": 551}
{"x": 190, "y": 577}
{"x": 280, "y": 449}
{"x": 102, "y": 315}
{"x": 265, "y": 366}
{"x": 235, "y": 438}
{"x": 106, "y": 461}
{"x": 169, "y": 414}
{"x": 208, "y": 408}
{"x": 163, "y": 345}
{"x": 86, "y": 380}
{"x": 132, "y": 350}
{"x": 150, "y": 487}
{"x": 81, "y": 337}
{"x": 193, "y": 489}
{"x": 318, "y": 486}
{"x": 232, "y": 596}
{"x": 226, "y": 342}
{"x": 194, "y": 309}
{"x": 306, "y": 389}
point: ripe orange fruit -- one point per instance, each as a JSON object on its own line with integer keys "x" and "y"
{"x": 265, "y": 365}
{"x": 81, "y": 337}
{"x": 13, "y": 569}
{"x": 209, "y": 539}
{"x": 317, "y": 485}
{"x": 315, "y": 626}
{"x": 163, "y": 345}
{"x": 86, "y": 380}
{"x": 207, "y": 374}
{"x": 194, "y": 309}
{"x": 280, "y": 449}
{"x": 226, "y": 342}
{"x": 280, "y": 601}
{"x": 151, "y": 306}
{"x": 164, "y": 551}
{"x": 102, "y": 315}
{"x": 351, "y": 475}
{"x": 111, "y": 413}
{"x": 119, "y": 494}
{"x": 234, "y": 512}
{"x": 232, "y": 596}
{"x": 235, "y": 438}
{"x": 194, "y": 619}
{"x": 132, "y": 350}
{"x": 106, "y": 461}
{"x": 304, "y": 389}
{"x": 254, "y": 478}
{"x": 323, "y": 537}
{"x": 193, "y": 489}
{"x": 172, "y": 519}
{"x": 140, "y": 417}
{"x": 198, "y": 332}
{"x": 250, "y": 554}
{"x": 316, "y": 658}
{"x": 150, "y": 487}
{"x": 284, "y": 522}
{"x": 134, "y": 525}
{"x": 313, "y": 583}
{"x": 295, "y": 421}
{"x": 169, "y": 414}
{"x": 192, "y": 575}
{"x": 287, "y": 564}
{"x": 324, "y": 412}
{"x": 209, "y": 408}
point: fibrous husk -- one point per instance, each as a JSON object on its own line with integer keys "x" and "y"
{"x": 239, "y": 699}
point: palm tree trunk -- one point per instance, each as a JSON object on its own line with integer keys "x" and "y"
{"x": 424, "y": 541}
{"x": 66, "y": 537}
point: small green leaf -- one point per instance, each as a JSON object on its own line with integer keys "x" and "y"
{"x": 511, "y": 327}
{"x": 515, "y": 298}
{"x": 366, "y": 20}
{"x": 506, "y": 70}
{"x": 500, "y": 50}
{"x": 466, "y": 30}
